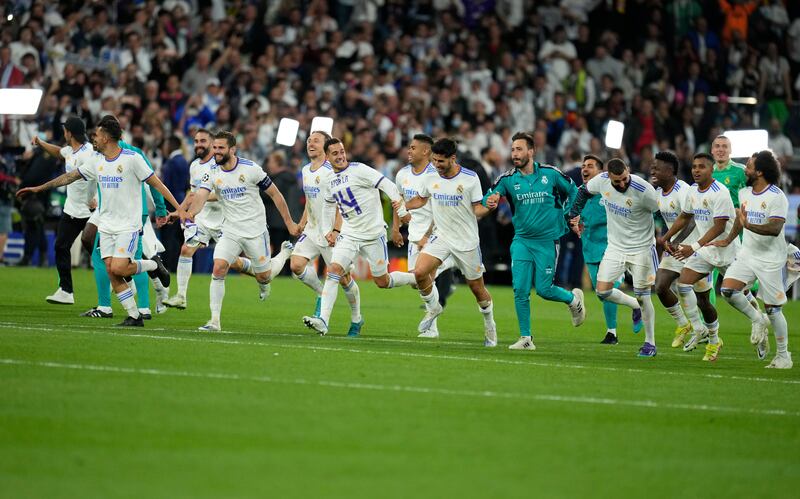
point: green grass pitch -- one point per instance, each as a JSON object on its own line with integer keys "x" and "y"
{"x": 268, "y": 409}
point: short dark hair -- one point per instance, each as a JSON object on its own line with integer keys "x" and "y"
{"x": 705, "y": 156}
{"x": 174, "y": 142}
{"x": 111, "y": 126}
{"x": 671, "y": 158}
{"x": 616, "y": 166}
{"x": 595, "y": 158}
{"x": 444, "y": 147}
{"x": 205, "y": 131}
{"x": 528, "y": 138}
{"x": 330, "y": 142}
{"x": 324, "y": 134}
{"x": 226, "y": 136}
{"x": 766, "y": 163}
{"x": 422, "y": 137}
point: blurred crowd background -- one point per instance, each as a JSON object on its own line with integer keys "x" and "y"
{"x": 677, "y": 73}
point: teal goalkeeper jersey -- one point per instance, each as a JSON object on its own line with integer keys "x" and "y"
{"x": 594, "y": 239}
{"x": 158, "y": 199}
{"x": 538, "y": 201}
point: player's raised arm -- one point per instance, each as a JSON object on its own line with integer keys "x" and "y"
{"x": 51, "y": 149}
{"x": 63, "y": 179}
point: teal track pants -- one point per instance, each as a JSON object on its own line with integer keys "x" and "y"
{"x": 609, "y": 309}
{"x": 103, "y": 283}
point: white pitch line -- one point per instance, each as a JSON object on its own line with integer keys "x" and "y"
{"x": 647, "y": 404}
{"x": 204, "y": 338}
{"x": 366, "y": 339}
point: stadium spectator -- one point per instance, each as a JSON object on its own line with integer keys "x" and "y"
{"x": 175, "y": 175}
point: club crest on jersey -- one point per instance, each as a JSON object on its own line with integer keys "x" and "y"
{"x": 99, "y": 168}
{"x": 705, "y": 203}
{"x": 672, "y": 204}
{"x": 316, "y": 180}
{"x": 435, "y": 186}
{"x": 628, "y": 202}
{"x": 607, "y": 194}
{"x": 517, "y": 187}
{"x": 218, "y": 181}
{"x": 727, "y": 180}
{"x": 460, "y": 189}
{"x": 119, "y": 168}
{"x": 544, "y": 180}
{"x": 241, "y": 178}
{"x": 763, "y": 205}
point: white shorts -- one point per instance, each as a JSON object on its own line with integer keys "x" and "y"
{"x": 669, "y": 262}
{"x": 151, "y": 246}
{"x": 413, "y": 254}
{"x": 642, "y": 266}
{"x": 699, "y": 264}
{"x": 119, "y": 245}
{"x": 196, "y": 234}
{"x": 771, "y": 283}
{"x": 375, "y": 252}
{"x": 93, "y": 219}
{"x": 309, "y": 249}
{"x": 255, "y": 248}
{"x": 470, "y": 263}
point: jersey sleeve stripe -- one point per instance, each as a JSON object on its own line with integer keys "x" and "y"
{"x": 81, "y": 173}
{"x": 379, "y": 181}
{"x": 204, "y": 187}
{"x": 722, "y": 217}
{"x": 151, "y": 174}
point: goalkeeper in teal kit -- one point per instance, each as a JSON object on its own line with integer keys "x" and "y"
{"x": 538, "y": 195}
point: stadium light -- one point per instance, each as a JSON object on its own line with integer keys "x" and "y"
{"x": 745, "y": 142}
{"x": 287, "y": 132}
{"x": 19, "y": 100}
{"x": 614, "y": 132}
{"x": 322, "y": 124}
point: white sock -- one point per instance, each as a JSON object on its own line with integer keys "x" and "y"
{"x": 750, "y": 298}
{"x": 215, "y": 296}
{"x": 278, "y": 261}
{"x": 184, "y": 273}
{"x": 310, "y": 279}
{"x": 713, "y": 332}
{"x": 781, "y": 329}
{"x": 740, "y": 303}
{"x": 158, "y": 287}
{"x": 107, "y": 310}
{"x": 145, "y": 311}
{"x": 353, "y": 295}
{"x": 648, "y": 316}
{"x": 329, "y": 293}
{"x": 621, "y": 298}
{"x": 145, "y": 266}
{"x": 612, "y": 331}
{"x": 397, "y": 279}
{"x": 128, "y": 302}
{"x": 247, "y": 266}
{"x": 431, "y": 299}
{"x": 689, "y": 301}
{"x": 677, "y": 313}
{"x": 486, "y": 308}
{"x": 434, "y": 326}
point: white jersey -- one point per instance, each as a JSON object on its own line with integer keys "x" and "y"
{"x": 211, "y": 215}
{"x": 706, "y": 206}
{"x": 319, "y": 219}
{"x": 239, "y": 192}
{"x": 769, "y": 251}
{"x": 119, "y": 181}
{"x": 79, "y": 193}
{"x": 355, "y": 191}
{"x": 671, "y": 206}
{"x": 451, "y": 200}
{"x": 410, "y": 184}
{"x": 630, "y": 214}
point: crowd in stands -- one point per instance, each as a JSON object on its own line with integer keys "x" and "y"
{"x": 675, "y": 72}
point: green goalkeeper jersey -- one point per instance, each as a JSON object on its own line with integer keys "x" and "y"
{"x": 733, "y": 178}
{"x": 538, "y": 201}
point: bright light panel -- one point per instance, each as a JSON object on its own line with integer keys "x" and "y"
{"x": 19, "y": 100}
{"x": 614, "y": 134}
{"x": 287, "y": 132}
{"x": 322, "y": 124}
{"x": 745, "y": 142}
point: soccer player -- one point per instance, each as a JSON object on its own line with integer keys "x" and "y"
{"x": 709, "y": 204}
{"x": 119, "y": 174}
{"x": 455, "y": 196}
{"x": 207, "y": 224}
{"x": 355, "y": 188}
{"x": 409, "y": 181}
{"x": 80, "y": 200}
{"x": 594, "y": 241}
{"x": 538, "y": 195}
{"x": 762, "y": 215}
{"x": 237, "y": 184}
{"x": 672, "y": 194}
{"x": 318, "y": 219}
{"x": 630, "y": 203}
{"x": 160, "y": 277}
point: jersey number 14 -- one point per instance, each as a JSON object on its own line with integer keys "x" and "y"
{"x": 349, "y": 201}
